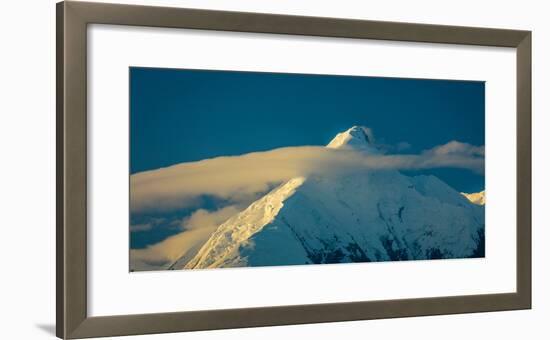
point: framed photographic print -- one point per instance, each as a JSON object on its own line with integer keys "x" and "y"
{"x": 224, "y": 169}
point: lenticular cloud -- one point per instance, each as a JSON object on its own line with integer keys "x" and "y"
{"x": 241, "y": 178}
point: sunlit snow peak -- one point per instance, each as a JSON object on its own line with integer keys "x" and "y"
{"x": 355, "y": 138}
{"x": 476, "y": 198}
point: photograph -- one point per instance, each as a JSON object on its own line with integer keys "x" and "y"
{"x": 248, "y": 169}
{"x": 276, "y": 169}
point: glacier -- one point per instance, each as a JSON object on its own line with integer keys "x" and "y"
{"x": 357, "y": 216}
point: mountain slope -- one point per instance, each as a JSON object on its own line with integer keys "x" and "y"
{"x": 360, "y": 217}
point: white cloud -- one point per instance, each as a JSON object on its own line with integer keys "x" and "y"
{"x": 450, "y": 155}
{"x": 197, "y": 228}
{"x": 202, "y": 218}
{"x": 162, "y": 254}
{"x": 458, "y": 148}
{"x": 237, "y": 179}
{"x": 141, "y": 227}
{"x": 240, "y": 179}
{"x": 150, "y": 224}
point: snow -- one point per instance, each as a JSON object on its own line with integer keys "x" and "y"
{"x": 358, "y": 138}
{"x": 358, "y": 217}
{"x": 476, "y": 198}
{"x": 233, "y": 235}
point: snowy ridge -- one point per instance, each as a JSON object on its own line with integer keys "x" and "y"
{"x": 360, "y": 217}
{"x": 239, "y": 229}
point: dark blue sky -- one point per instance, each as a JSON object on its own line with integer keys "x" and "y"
{"x": 187, "y": 115}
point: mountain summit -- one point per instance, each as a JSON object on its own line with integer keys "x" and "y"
{"x": 355, "y": 138}
{"x": 368, "y": 215}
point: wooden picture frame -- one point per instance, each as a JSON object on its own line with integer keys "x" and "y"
{"x": 72, "y": 21}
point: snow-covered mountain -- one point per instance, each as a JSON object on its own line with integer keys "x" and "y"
{"x": 476, "y": 198}
{"x": 364, "y": 216}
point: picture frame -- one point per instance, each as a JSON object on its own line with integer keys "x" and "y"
{"x": 73, "y": 19}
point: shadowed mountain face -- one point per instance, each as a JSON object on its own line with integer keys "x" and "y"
{"x": 362, "y": 216}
